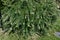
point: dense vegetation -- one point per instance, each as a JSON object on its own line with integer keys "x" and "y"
{"x": 27, "y": 17}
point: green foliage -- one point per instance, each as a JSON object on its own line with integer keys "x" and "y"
{"x": 26, "y": 17}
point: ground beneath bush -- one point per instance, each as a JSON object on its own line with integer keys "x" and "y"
{"x": 50, "y": 36}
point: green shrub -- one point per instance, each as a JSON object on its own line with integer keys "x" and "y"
{"x": 26, "y": 17}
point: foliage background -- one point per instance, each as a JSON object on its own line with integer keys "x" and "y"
{"x": 28, "y": 17}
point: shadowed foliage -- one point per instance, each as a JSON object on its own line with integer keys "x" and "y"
{"x": 26, "y": 17}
